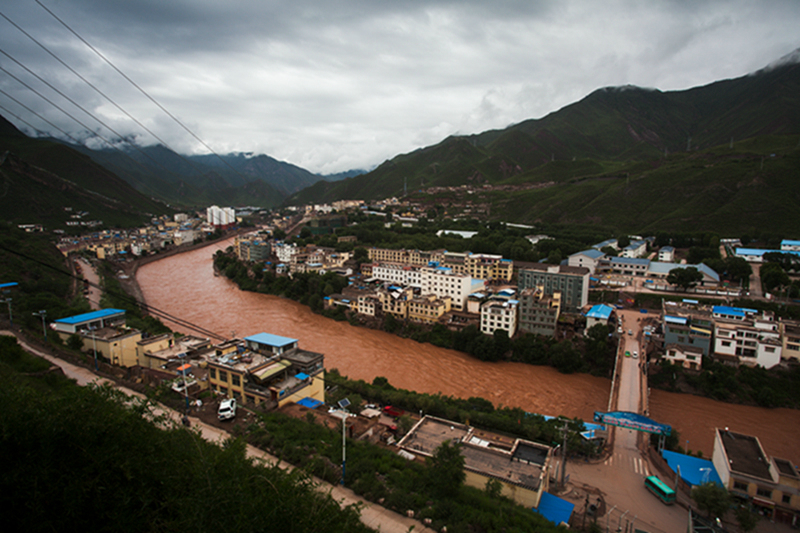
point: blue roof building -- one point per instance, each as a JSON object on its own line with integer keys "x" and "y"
{"x": 93, "y": 320}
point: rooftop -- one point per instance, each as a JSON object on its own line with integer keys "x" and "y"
{"x": 90, "y": 317}
{"x": 745, "y": 454}
{"x": 270, "y": 340}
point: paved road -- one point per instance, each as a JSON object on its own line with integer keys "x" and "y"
{"x": 621, "y": 475}
{"x": 372, "y": 515}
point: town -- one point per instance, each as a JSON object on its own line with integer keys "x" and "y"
{"x": 458, "y": 290}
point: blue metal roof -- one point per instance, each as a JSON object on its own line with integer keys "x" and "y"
{"x": 555, "y": 509}
{"x": 694, "y": 471}
{"x": 270, "y": 339}
{"x": 729, "y": 311}
{"x": 675, "y": 320}
{"x": 592, "y": 253}
{"x": 5, "y": 285}
{"x": 309, "y": 402}
{"x": 90, "y": 317}
{"x": 600, "y": 311}
{"x": 789, "y": 242}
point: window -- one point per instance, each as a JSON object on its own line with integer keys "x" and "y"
{"x": 767, "y": 493}
{"x": 786, "y": 498}
{"x": 223, "y": 375}
{"x": 738, "y": 485}
{"x": 212, "y": 373}
{"x": 235, "y": 380}
{"x": 223, "y": 391}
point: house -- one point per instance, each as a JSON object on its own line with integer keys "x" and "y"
{"x": 105, "y": 333}
{"x": 499, "y": 314}
{"x": 489, "y": 267}
{"x": 266, "y": 369}
{"x": 687, "y": 324}
{"x": 538, "y": 312}
{"x": 599, "y": 314}
{"x": 521, "y": 466}
{"x": 666, "y": 254}
{"x": 770, "y": 485}
{"x": 428, "y": 309}
{"x": 587, "y": 258}
{"x": 635, "y": 249}
{"x": 788, "y": 245}
{"x": 689, "y": 357}
{"x": 790, "y": 339}
{"x": 743, "y": 336}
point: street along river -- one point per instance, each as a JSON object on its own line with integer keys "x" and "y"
{"x": 184, "y": 285}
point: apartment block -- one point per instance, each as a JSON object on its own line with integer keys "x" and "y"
{"x": 571, "y": 282}
{"x": 538, "y": 312}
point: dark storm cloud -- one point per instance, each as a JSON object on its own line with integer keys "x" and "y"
{"x": 332, "y": 85}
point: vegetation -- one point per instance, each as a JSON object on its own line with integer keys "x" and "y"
{"x": 92, "y": 459}
{"x": 748, "y": 385}
{"x": 712, "y": 498}
{"x": 478, "y": 412}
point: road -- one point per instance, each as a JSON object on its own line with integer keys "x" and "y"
{"x": 621, "y": 475}
{"x": 372, "y": 515}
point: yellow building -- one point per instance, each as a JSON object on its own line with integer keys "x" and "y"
{"x": 395, "y": 302}
{"x": 489, "y": 267}
{"x": 103, "y": 332}
{"x": 429, "y": 308}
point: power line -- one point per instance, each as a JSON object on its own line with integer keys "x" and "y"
{"x": 145, "y": 93}
{"x": 101, "y": 93}
{"x": 123, "y": 296}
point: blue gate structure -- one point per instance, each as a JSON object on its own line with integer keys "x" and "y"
{"x": 635, "y": 421}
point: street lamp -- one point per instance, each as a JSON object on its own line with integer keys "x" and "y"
{"x": 42, "y": 314}
{"x": 10, "y": 317}
{"x": 94, "y": 345}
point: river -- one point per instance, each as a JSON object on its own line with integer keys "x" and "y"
{"x": 184, "y": 286}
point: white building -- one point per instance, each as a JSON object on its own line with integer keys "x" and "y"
{"x": 441, "y": 282}
{"x": 745, "y": 337}
{"x": 499, "y": 314}
{"x": 666, "y": 254}
{"x": 635, "y": 249}
{"x": 587, "y": 259}
{"x": 221, "y": 216}
{"x": 790, "y": 246}
{"x": 284, "y": 251}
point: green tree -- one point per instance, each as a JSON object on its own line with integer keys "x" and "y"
{"x": 446, "y": 470}
{"x": 75, "y": 342}
{"x": 712, "y": 498}
{"x": 685, "y": 278}
{"x": 747, "y": 519}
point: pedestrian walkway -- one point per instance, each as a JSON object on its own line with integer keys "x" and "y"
{"x": 372, "y": 515}
{"x": 629, "y": 462}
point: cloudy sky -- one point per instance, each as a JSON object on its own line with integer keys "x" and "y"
{"x": 332, "y": 85}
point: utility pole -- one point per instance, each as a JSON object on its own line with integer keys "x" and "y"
{"x": 42, "y": 314}
{"x": 619, "y": 524}
{"x": 10, "y": 317}
{"x": 564, "y": 454}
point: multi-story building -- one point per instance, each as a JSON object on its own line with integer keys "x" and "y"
{"x": 489, "y": 267}
{"x": 221, "y": 217}
{"x": 284, "y": 251}
{"x": 105, "y": 333}
{"x": 688, "y": 324}
{"x": 626, "y": 266}
{"x": 771, "y": 485}
{"x": 266, "y": 368}
{"x": 743, "y": 336}
{"x": 499, "y": 314}
{"x": 635, "y": 249}
{"x": 666, "y": 254}
{"x": 444, "y": 283}
{"x": 788, "y": 245}
{"x": 538, "y": 312}
{"x": 394, "y": 301}
{"x": 790, "y": 338}
{"x": 571, "y": 282}
{"x": 252, "y": 248}
{"x": 428, "y": 308}
{"x": 689, "y": 357}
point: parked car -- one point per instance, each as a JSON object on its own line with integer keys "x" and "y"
{"x": 227, "y": 409}
{"x": 635, "y": 354}
{"x": 627, "y": 353}
{"x": 630, "y": 332}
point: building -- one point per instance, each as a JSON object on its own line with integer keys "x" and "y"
{"x": 771, "y": 485}
{"x": 689, "y": 357}
{"x": 635, "y": 249}
{"x": 743, "y": 336}
{"x": 521, "y": 466}
{"x": 571, "y": 282}
{"x": 688, "y": 324}
{"x": 610, "y": 243}
{"x": 790, "y": 338}
{"x": 266, "y": 369}
{"x": 252, "y": 248}
{"x": 666, "y": 254}
{"x": 626, "y": 266}
{"x": 394, "y": 301}
{"x": 428, "y": 309}
{"x": 788, "y": 245}
{"x": 599, "y": 314}
{"x": 444, "y": 283}
{"x": 489, "y": 267}
{"x": 538, "y": 312}
{"x": 499, "y": 314}
{"x": 221, "y": 217}
{"x": 662, "y": 270}
{"x": 104, "y": 333}
{"x": 587, "y": 258}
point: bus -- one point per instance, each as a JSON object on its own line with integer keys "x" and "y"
{"x": 660, "y": 489}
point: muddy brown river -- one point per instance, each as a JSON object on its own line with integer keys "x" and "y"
{"x": 184, "y": 286}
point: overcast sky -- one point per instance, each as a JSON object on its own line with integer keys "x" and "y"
{"x": 332, "y": 85}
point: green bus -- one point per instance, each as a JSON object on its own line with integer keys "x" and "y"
{"x": 660, "y": 489}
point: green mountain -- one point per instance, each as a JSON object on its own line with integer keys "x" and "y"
{"x": 625, "y": 156}
{"x": 45, "y": 182}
